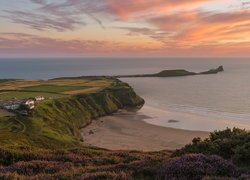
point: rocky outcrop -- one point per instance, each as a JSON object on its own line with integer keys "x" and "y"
{"x": 214, "y": 71}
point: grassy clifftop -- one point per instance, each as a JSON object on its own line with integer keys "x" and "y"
{"x": 55, "y": 123}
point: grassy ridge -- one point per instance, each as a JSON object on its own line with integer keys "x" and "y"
{"x": 27, "y": 94}
{"x": 6, "y": 80}
{"x": 53, "y": 88}
{"x": 56, "y": 123}
{"x": 20, "y": 89}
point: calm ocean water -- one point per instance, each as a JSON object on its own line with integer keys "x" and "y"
{"x": 206, "y": 102}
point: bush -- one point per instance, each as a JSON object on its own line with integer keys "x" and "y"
{"x": 242, "y": 154}
{"x": 105, "y": 175}
{"x": 36, "y": 167}
{"x": 78, "y": 163}
{"x": 230, "y": 144}
{"x": 197, "y": 166}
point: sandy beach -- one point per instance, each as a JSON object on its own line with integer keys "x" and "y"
{"x": 126, "y": 130}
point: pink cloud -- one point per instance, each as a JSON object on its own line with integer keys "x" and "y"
{"x": 15, "y": 43}
{"x": 193, "y": 28}
{"x": 128, "y": 8}
{"x": 168, "y": 29}
{"x": 26, "y": 45}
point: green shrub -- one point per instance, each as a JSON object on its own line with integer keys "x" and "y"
{"x": 230, "y": 144}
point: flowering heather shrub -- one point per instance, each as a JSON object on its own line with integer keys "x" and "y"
{"x": 220, "y": 178}
{"x": 244, "y": 177}
{"x": 36, "y": 167}
{"x": 137, "y": 168}
{"x": 196, "y": 166}
{"x": 3, "y": 169}
{"x": 8, "y": 156}
{"x": 10, "y": 176}
{"x": 106, "y": 175}
{"x": 5, "y": 157}
{"x": 79, "y": 163}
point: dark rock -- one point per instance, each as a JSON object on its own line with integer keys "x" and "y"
{"x": 220, "y": 68}
{"x": 214, "y": 71}
{"x": 173, "y": 121}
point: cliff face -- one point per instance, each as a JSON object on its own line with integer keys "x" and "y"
{"x": 59, "y": 121}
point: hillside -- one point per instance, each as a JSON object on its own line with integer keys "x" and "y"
{"x": 56, "y": 122}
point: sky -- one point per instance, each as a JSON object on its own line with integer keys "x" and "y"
{"x": 157, "y": 28}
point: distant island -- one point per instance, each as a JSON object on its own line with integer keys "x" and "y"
{"x": 174, "y": 73}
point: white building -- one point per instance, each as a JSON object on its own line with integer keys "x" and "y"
{"x": 30, "y": 103}
{"x": 39, "y": 98}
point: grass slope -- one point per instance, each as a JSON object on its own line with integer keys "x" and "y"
{"x": 56, "y": 123}
{"x": 20, "y": 89}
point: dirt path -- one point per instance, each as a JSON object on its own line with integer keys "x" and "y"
{"x": 23, "y": 125}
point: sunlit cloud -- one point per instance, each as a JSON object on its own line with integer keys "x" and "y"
{"x": 141, "y": 27}
{"x": 194, "y": 28}
{"x": 62, "y": 16}
{"x": 129, "y": 8}
{"x": 27, "y": 43}
{"x": 43, "y": 22}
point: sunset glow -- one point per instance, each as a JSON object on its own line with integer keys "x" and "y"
{"x": 125, "y": 28}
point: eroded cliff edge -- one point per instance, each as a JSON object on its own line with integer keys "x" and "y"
{"x": 56, "y": 123}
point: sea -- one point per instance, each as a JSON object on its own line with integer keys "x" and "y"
{"x": 203, "y": 103}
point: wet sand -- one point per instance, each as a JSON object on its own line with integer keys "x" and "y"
{"x": 126, "y": 130}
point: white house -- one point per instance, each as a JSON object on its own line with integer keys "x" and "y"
{"x": 39, "y": 98}
{"x": 30, "y": 103}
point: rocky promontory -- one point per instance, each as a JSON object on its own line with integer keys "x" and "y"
{"x": 174, "y": 73}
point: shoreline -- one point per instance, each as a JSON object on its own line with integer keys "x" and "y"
{"x": 189, "y": 120}
{"x": 128, "y": 130}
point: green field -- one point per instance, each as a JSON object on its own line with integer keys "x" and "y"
{"x": 54, "y": 88}
{"x": 21, "y": 89}
{"x": 23, "y": 95}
